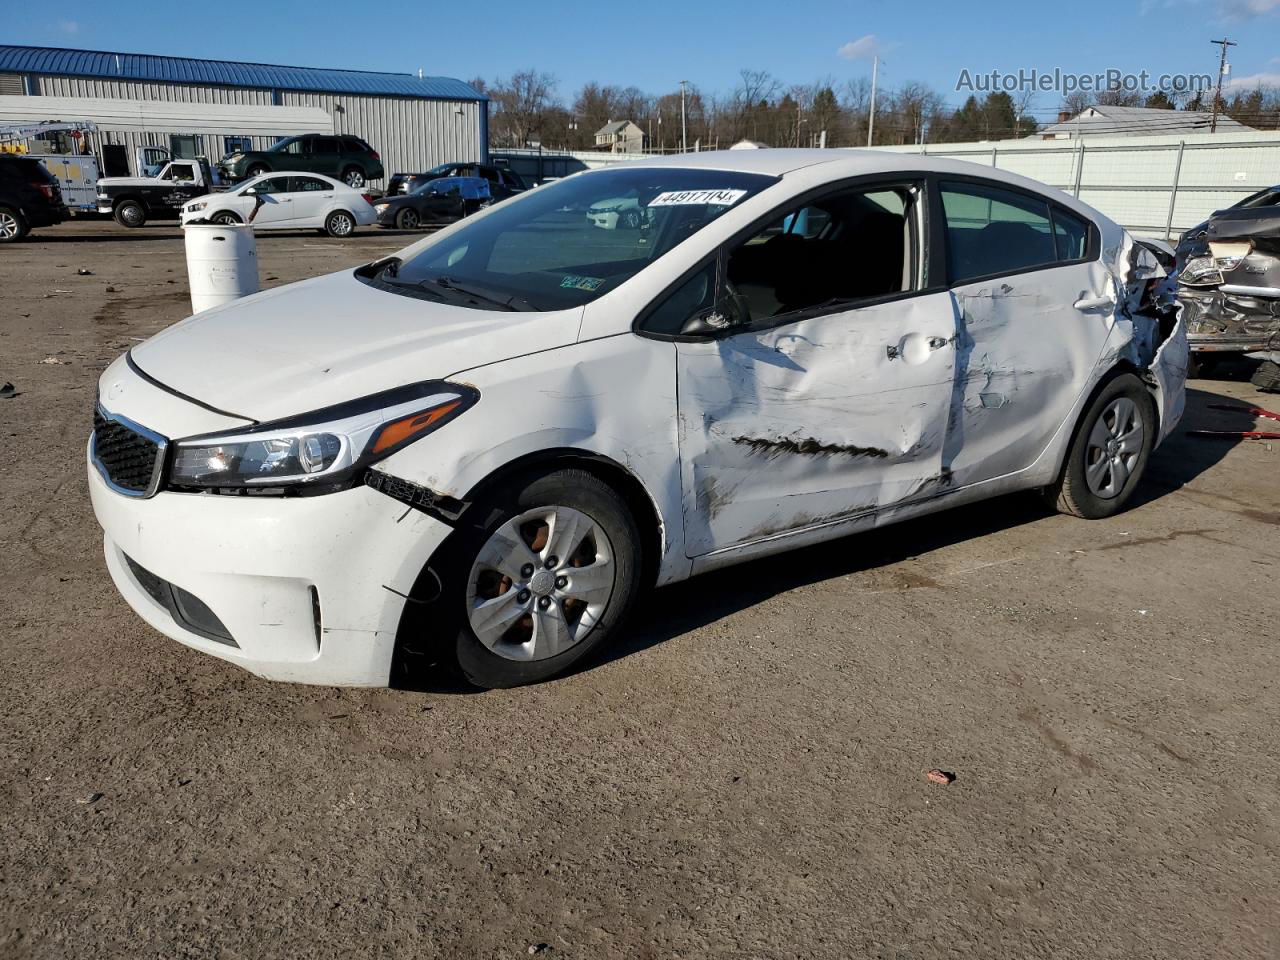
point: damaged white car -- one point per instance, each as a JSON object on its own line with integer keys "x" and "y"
{"x": 479, "y": 452}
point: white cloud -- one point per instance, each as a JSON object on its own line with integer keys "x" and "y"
{"x": 1253, "y": 80}
{"x": 864, "y": 48}
{"x": 1247, "y": 9}
{"x": 68, "y": 26}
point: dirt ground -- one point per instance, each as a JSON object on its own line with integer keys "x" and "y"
{"x": 744, "y": 776}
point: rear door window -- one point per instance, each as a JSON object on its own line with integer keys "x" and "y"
{"x": 992, "y": 231}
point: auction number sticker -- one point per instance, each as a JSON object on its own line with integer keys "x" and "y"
{"x": 700, "y": 198}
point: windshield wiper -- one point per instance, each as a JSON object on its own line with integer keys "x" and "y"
{"x": 512, "y": 303}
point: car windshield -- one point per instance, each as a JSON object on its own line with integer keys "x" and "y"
{"x": 1263, "y": 198}
{"x": 555, "y": 248}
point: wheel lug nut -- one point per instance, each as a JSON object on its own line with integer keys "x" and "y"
{"x": 561, "y": 582}
{"x": 526, "y": 570}
{"x": 552, "y": 561}
{"x": 544, "y": 602}
{"x": 522, "y": 596}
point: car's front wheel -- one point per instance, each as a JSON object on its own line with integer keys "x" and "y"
{"x": 339, "y": 224}
{"x": 546, "y": 576}
{"x": 12, "y": 227}
{"x": 257, "y": 170}
{"x": 407, "y": 219}
{"x": 226, "y": 218}
{"x": 1109, "y": 453}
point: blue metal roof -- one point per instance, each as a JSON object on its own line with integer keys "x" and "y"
{"x": 57, "y": 61}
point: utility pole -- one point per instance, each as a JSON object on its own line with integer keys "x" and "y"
{"x": 684, "y": 140}
{"x": 871, "y": 115}
{"x": 1222, "y": 69}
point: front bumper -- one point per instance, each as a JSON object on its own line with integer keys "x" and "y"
{"x": 311, "y": 589}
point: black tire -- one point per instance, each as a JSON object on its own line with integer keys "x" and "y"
{"x": 12, "y": 225}
{"x": 1072, "y": 494}
{"x": 407, "y": 219}
{"x": 226, "y": 217}
{"x": 130, "y": 213}
{"x": 257, "y": 170}
{"x": 353, "y": 177}
{"x": 339, "y": 224}
{"x": 1267, "y": 377}
{"x": 573, "y": 488}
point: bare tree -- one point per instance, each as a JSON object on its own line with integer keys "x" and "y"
{"x": 521, "y": 105}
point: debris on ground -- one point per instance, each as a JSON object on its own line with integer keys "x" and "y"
{"x": 940, "y": 776}
{"x": 52, "y": 360}
{"x": 90, "y": 799}
{"x": 537, "y": 948}
{"x": 8, "y": 391}
{"x": 112, "y": 290}
{"x": 85, "y": 273}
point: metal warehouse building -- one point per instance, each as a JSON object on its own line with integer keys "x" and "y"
{"x": 415, "y": 122}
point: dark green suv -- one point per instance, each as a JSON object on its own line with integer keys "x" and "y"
{"x": 344, "y": 158}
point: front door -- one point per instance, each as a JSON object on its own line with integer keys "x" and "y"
{"x": 825, "y": 394}
{"x": 276, "y": 208}
{"x": 1034, "y": 307}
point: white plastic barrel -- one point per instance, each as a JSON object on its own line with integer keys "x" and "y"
{"x": 222, "y": 263}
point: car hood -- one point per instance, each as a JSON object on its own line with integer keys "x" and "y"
{"x": 335, "y": 338}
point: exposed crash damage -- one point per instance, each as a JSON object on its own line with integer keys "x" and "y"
{"x": 1231, "y": 293}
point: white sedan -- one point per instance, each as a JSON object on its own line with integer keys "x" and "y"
{"x": 286, "y": 201}
{"x": 479, "y": 453}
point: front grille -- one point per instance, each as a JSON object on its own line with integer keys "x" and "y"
{"x": 128, "y": 456}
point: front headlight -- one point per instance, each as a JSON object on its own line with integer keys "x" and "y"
{"x": 381, "y": 207}
{"x": 323, "y": 451}
{"x": 194, "y": 207}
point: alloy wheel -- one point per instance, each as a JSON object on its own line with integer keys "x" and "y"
{"x": 354, "y": 179}
{"x": 1115, "y": 445}
{"x": 540, "y": 584}
{"x": 9, "y": 228}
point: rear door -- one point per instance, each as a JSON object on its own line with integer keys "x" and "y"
{"x": 818, "y": 387}
{"x": 311, "y": 199}
{"x": 325, "y": 157}
{"x": 1034, "y": 308}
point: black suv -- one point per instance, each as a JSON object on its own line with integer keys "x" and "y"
{"x": 29, "y": 197}
{"x": 502, "y": 183}
{"x": 344, "y": 158}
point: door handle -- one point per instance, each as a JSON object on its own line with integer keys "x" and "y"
{"x": 1094, "y": 303}
{"x": 937, "y": 343}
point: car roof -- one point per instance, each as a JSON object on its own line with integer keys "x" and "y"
{"x": 842, "y": 163}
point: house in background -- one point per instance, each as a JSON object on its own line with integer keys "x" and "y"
{"x": 1106, "y": 121}
{"x": 620, "y": 136}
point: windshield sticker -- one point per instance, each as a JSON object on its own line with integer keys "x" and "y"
{"x": 709, "y": 198}
{"x": 581, "y": 283}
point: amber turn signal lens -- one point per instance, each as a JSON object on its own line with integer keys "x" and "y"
{"x": 406, "y": 428}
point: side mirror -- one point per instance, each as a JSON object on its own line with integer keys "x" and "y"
{"x": 727, "y": 313}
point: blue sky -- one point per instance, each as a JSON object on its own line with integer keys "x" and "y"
{"x": 655, "y": 43}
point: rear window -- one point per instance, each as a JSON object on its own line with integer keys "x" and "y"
{"x": 24, "y": 168}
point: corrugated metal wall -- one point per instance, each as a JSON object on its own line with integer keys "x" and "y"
{"x": 1137, "y": 181}
{"x": 410, "y": 134}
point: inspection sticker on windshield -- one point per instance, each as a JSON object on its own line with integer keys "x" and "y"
{"x": 581, "y": 283}
{"x": 709, "y": 198}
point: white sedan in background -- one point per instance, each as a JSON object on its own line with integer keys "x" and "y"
{"x": 286, "y": 201}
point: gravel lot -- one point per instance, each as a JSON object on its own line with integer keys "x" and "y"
{"x": 743, "y": 777}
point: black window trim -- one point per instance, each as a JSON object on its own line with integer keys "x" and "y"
{"x": 936, "y": 183}
{"x": 928, "y": 266}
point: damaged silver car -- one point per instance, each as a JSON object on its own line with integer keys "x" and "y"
{"x": 1230, "y": 287}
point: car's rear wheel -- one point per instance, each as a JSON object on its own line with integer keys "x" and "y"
{"x": 407, "y": 219}
{"x": 12, "y": 227}
{"x": 545, "y": 575}
{"x": 353, "y": 177}
{"x": 1109, "y": 454}
{"x": 226, "y": 218}
{"x": 339, "y": 224}
{"x": 130, "y": 213}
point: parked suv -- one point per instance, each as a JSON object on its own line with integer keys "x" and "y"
{"x": 344, "y": 158}
{"x": 29, "y": 197}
